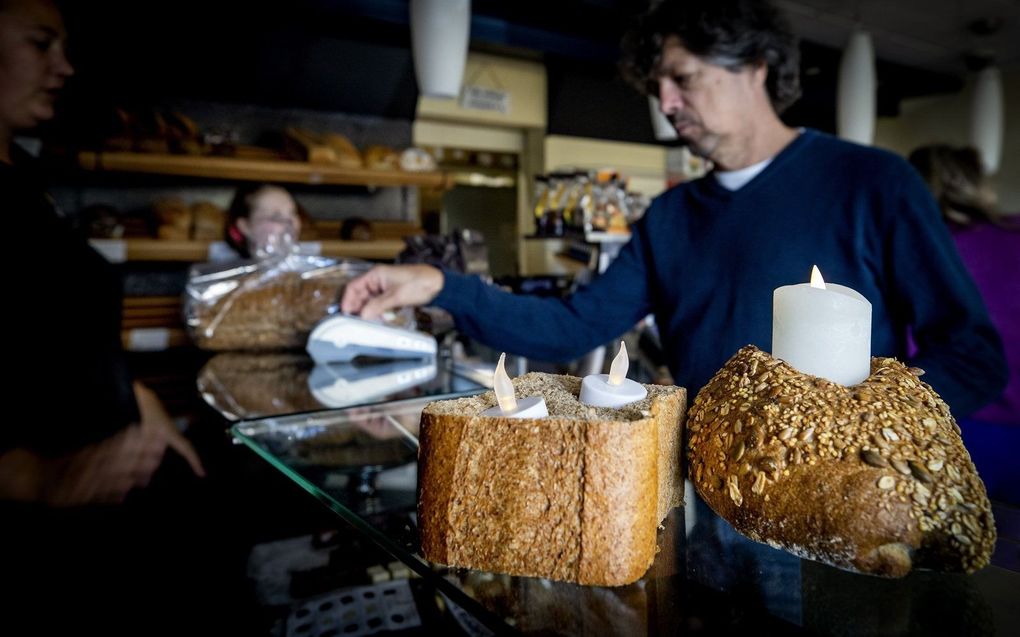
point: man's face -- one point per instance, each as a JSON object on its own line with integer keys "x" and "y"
{"x": 707, "y": 104}
{"x": 33, "y": 66}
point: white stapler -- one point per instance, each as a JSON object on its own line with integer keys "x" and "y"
{"x": 341, "y": 339}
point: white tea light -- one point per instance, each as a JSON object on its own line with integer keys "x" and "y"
{"x": 508, "y": 406}
{"x": 823, "y": 330}
{"x": 613, "y": 389}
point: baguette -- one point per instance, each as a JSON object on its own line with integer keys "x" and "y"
{"x": 872, "y": 478}
{"x": 575, "y": 497}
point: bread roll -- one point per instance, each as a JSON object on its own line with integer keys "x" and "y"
{"x": 347, "y": 155}
{"x": 172, "y": 211}
{"x": 209, "y": 221}
{"x": 310, "y": 146}
{"x": 575, "y": 497}
{"x": 872, "y": 478}
{"x": 381, "y": 158}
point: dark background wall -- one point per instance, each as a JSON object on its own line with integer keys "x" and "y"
{"x": 353, "y": 56}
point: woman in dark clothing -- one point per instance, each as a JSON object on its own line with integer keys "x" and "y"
{"x": 98, "y": 489}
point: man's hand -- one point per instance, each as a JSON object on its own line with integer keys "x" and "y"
{"x": 387, "y": 287}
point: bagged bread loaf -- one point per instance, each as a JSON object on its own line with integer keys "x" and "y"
{"x": 577, "y": 496}
{"x": 872, "y": 478}
{"x": 266, "y": 304}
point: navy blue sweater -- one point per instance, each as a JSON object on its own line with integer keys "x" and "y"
{"x": 705, "y": 261}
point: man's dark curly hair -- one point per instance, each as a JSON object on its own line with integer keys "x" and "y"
{"x": 728, "y": 33}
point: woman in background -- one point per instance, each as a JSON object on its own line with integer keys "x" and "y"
{"x": 261, "y": 217}
{"x": 989, "y": 244}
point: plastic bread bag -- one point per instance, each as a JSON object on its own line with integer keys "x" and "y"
{"x": 271, "y": 302}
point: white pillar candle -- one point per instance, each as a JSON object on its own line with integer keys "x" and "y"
{"x": 823, "y": 330}
{"x": 508, "y": 406}
{"x": 613, "y": 389}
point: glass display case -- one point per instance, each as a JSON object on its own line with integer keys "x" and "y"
{"x": 361, "y": 462}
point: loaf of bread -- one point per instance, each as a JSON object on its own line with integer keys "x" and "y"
{"x": 347, "y": 154}
{"x": 872, "y": 478}
{"x": 265, "y": 312}
{"x": 378, "y": 157}
{"x": 174, "y": 213}
{"x": 209, "y": 220}
{"x": 575, "y": 497}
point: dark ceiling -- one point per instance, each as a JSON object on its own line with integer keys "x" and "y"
{"x": 353, "y": 56}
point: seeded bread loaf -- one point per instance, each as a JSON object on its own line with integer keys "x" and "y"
{"x": 872, "y": 478}
{"x": 575, "y": 497}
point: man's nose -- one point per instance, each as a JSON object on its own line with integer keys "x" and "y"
{"x": 670, "y": 98}
{"x": 61, "y": 65}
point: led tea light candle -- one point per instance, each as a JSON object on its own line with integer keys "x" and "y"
{"x": 613, "y": 389}
{"x": 823, "y": 330}
{"x": 508, "y": 406}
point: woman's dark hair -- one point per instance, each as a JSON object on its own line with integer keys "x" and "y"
{"x": 729, "y": 33}
{"x": 240, "y": 208}
{"x": 957, "y": 181}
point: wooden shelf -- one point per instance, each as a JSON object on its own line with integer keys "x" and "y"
{"x": 168, "y": 250}
{"x": 292, "y": 172}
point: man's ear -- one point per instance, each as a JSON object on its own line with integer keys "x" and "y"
{"x": 760, "y": 73}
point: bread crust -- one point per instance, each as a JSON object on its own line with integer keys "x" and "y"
{"x": 872, "y": 478}
{"x": 567, "y": 498}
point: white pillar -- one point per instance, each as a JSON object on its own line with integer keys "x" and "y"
{"x": 987, "y": 118}
{"x": 439, "y": 39}
{"x": 855, "y": 97}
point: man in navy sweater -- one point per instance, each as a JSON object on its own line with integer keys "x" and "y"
{"x": 708, "y": 254}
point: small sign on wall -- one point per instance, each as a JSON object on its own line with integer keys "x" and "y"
{"x": 485, "y": 99}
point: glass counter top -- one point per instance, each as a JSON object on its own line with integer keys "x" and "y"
{"x": 242, "y": 385}
{"x": 362, "y": 463}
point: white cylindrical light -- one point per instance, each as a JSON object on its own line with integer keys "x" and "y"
{"x": 855, "y": 97}
{"x": 661, "y": 125}
{"x": 439, "y": 39}
{"x": 987, "y": 118}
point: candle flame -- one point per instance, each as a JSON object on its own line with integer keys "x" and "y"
{"x": 816, "y": 278}
{"x": 618, "y": 370}
{"x": 503, "y": 387}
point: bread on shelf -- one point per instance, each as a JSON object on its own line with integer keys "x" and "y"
{"x": 378, "y": 157}
{"x": 577, "y": 496}
{"x": 174, "y": 218}
{"x": 209, "y": 220}
{"x": 872, "y": 478}
{"x": 347, "y": 155}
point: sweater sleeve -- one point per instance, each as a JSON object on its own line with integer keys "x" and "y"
{"x": 957, "y": 345}
{"x": 554, "y": 329}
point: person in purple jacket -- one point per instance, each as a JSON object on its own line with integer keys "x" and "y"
{"x": 989, "y": 244}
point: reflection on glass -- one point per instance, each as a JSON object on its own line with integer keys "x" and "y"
{"x": 252, "y": 385}
{"x": 344, "y": 384}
